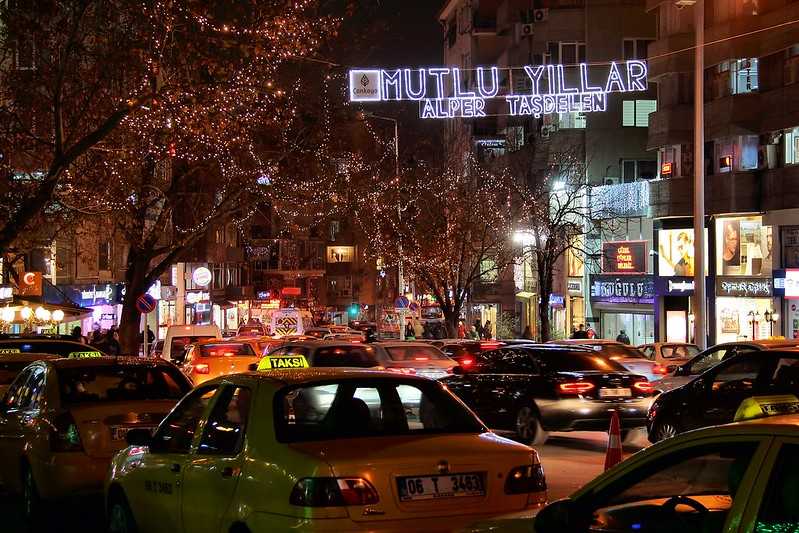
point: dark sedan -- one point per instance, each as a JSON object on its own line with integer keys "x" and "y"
{"x": 539, "y": 388}
{"x": 714, "y": 397}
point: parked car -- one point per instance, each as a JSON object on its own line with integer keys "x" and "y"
{"x": 628, "y": 356}
{"x": 12, "y": 364}
{"x": 713, "y": 356}
{"x": 285, "y": 451}
{"x": 714, "y": 397}
{"x": 534, "y": 389}
{"x": 668, "y": 355}
{"x": 178, "y": 338}
{"x": 60, "y": 345}
{"x": 251, "y": 330}
{"x": 62, "y": 420}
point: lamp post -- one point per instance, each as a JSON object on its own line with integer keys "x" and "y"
{"x": 754, "y": 318}
{"x": 771, "y": 316}
{"x": 700, "y": 300}
{"x": 400, "y": 274}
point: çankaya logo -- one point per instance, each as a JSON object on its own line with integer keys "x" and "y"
{"x": 534, "y": 90}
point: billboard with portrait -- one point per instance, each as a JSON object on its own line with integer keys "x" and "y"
{"x": 676, "y": 252}
{"x": 744, "y": 247}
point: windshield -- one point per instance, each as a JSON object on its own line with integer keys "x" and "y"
{"x": 227, "y": 349}
{"x": 369, "y": 408}
{"x": 415, "y": 353}
{"x": 356, "y": 355}
{"x": 93, "y": 384}
{"x": 179, "y": 344}
{"x": 60, "y": 348}
{"x": 560, "y": 361}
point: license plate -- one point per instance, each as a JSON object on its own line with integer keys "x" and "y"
{"x": 615, "y": 393}
{"x": 445, "y": 486}
{"x": 119, "y": 433}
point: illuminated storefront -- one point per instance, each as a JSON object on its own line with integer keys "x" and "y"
{"x": 625, "y": 303}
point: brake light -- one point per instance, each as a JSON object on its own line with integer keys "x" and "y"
{"x": 644, "y": 386}
{"x": 402, "y": 370}
{"x": 491, "y": 345}
{"x": 201, "y": 368}
{"x": 575, "y": 387}
{"x": 64, "y": 435}
{"x": 421, "y": 358}
{"x": 660, "y": 369}
{"x": 333, "y": 492}
{"x": 467, "y": 362}
{"x": 526, "y": 479}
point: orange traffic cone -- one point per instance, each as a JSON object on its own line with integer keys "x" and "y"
{"x": 614, "y": 453}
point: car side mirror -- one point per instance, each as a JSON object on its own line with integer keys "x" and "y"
{"x": 252, "y": 367}
{"x": 559, "y": 516}
{"x": 681, "y": 371}
{"x": 139, "y": 437}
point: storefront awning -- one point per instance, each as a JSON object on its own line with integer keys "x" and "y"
{"x": 525, "y": 295}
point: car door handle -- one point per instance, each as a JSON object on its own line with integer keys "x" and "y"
{"x": 229, "y": 471}
{"x": 174, "y": 467}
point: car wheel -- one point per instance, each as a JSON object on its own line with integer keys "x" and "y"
{"x": 664, "y": 430}
{"x": 120, "y": 517}
{"x": 528, "y": 426}
{"x": 31, "y": 501}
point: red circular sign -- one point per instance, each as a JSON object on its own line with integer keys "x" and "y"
{"x": 145, "y": 303}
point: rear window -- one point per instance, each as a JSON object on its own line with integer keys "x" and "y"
{"x": 226, "y": 350}
{"x": 60, "y": 348}
{"x": 317, "y": 333}
{"x": 369, "y": 408}
{"x": 109, "y": 383}
{"x": 618, "y": 350}
{"x": 578, "y": 362}
{"x": 460, "y": 350}
{"x": 251, "y": 330}
{"x": 414, "y": 353}
{"x": 8, "y": 371}
{"x": 180, "y": 343}
{"x": 356, "y": 355}
{"x": 678, "y": 351}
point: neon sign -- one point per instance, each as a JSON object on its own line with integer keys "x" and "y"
{"x": 441, "y": 94}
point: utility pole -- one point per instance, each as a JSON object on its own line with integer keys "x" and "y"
{"x": 700, "y": 299}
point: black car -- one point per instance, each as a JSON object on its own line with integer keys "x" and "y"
{"x": 534, "y": 389}
{"x": 714, "y": 397}
{"x": 61, "y": 345}
{"x": 466, "y": 351}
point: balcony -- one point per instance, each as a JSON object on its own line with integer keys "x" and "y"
{"x": 736, "y": 192}
{"x": 673, "y": 125}
{"x": 621, "y": 200}
{"x": 737, "y": 114}
{"x": 779, "y": 108}
{"x": 779, "y": 186}
{"x": 484, "y": 25}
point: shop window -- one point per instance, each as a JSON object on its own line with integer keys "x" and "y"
{"x": 791, "y": 66}
{"x": 736, "y": 153}
{"x": 744, "y": 247}
{"x": 790, "y": 139}
{"x": 635, "y": 48}
{"x": 635, "y": 113}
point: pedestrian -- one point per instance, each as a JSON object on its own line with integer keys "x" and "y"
{"x": 580, "y": 333}
{"x": 97, "y": 335}
{"x": 527, "y": 334}
{"x": 473, "y": 333}
{"x": 410, "y": 335}
{"x": 426, "y": 332}
{"x": 623, "y": 338}
{"x": 487, "y": 331}
{"x": 479, "y": 328}
{"x": 77, "y": 333}
{"x": 461, "y": 330}
{"x": 110, "y": 342}
{"x": 591, "y": 332}
{"x": 418, "y": 330}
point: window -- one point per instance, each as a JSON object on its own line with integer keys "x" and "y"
{"x": 27, "y": 390}
{"x": 710, "y": 470}
{"x": 736, "y": 76}
{"x": 678, "y": 351}
{"x": 227, "y": 349}
{"x": 176, "y": 432}
{"x": 511, "y": 361}
{"x": 739, "y": 375}
{"x": 339, "y": 286}
{"x": 709, "y": 360}
{"x": 488, "y": 271}
{"x": 670, "y": 161}
{"x": 105, "y": 255}
{"x": 369, "y": 408}
{"x": 345, "y": 356}
{"x": 778, "y": 511}
{"x": 633, "y": 170}
{"x": 574, "y": 120}
{"x": 566, "y": 53}
{"x": 227, "y": 424}
{"x": 635, "y": 113}
{"x": 635, "y": 48}
{"x": 109, "y": 383}
{"x": 559, "y": 361}
{"x": 791, "y": 65}
{"x": 790, "y": 139}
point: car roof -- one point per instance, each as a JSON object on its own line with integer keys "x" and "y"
{"x": 237, "y": 340}
{"x": 317, "y": 374}
{"x": 87, "y": 362}
{"x": 34, "y": 340}
{"x": 587, "y": 341}
{"x": 400, "y": 344}
{"x": 26, "y": 357}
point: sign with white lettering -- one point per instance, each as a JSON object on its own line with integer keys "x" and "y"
{"x": 6, "y": 293}
{"x": 791, "y": 283}
{"x": 622, "y": 289}
{"x": 744, "y": 287}
{"x": 549, "y": 89}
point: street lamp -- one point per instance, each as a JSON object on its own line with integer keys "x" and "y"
{"x": 754, "y": 318}
{"x": 771, "y": 316}
{"x": 363, "y": 115}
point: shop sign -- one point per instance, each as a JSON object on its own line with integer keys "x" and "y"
{"x": 198, "y": 296}
{"x": 290, "y": 291}
{"x": 169, "y": 292}
{"x": 30, "y": 284}
{"x": 675, "y": 286}
{"x": 557, "y": 300}
{"x": 108, "y": 316}
{"x": 91, "y": 295}
{"x": 574, "y": 286}
{"x": 622, "y": 289}
{"x": 201, "y": 276}
{"x": 744, "y": 287}
{"x": 626, "y": 257}
{"x": 440, "y": 90}
{"x": 6, "y": 293}
{"x": 791, "y": 283}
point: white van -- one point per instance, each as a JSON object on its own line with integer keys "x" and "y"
{"x": 178, "y": 337}
{"x": 290, "y": 321}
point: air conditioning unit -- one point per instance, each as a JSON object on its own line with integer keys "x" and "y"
{"x": 523, "y": 30}
{"x": 540, "y": 15}
{"x": 767, "y": 156}
{"x": 610, "y": 180}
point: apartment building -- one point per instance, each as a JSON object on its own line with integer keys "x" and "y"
{"x": 751, "y": 105}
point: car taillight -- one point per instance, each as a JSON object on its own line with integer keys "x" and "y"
{"x": 421, "y": 358}
{"x": 401, "y": 370}
{"x": 64, "y": 435}
{"x": 333, "y": 492}
{"x": 524, "y": 479}
{"x": 644, "y": 386}
{"x": 660, "y": 369}
{"x": 575, "y": 387}
{"x": 467, "y": 362}
{"x": 201, "y": 368}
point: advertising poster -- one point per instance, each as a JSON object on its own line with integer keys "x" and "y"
{"x": 790, "y": 246}
{"x": 744, "y": 247}
{"x": 676, "y": 252}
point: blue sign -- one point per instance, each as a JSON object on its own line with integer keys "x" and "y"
{"x": 402, "y": 302}
{"x": 622, "y": 289}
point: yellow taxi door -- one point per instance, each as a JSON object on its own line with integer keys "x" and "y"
{"x": 154, "y": 489}
{"x": 212, "y": 474}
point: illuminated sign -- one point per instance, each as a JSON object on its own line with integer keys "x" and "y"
{"x": 622, "y": 289}
{"x": 197, "y": 297}
{"x": 666, "y": 168}
{"x": 744, "y": 287}
{"x": 626, "y": 257}
{"x": 440, "y": 92}
{"x": 791, "y": 283}
{"x": 6, "y": 293}
{"x": 201, "y": 276}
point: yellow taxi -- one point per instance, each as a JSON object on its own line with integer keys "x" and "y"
{"x": 62, "y": 420}
{"x": 12, "y": 364}
{"x": 213, "y": 358}
{"x": 318, "y": 450}
{"x": 737, "y": 478}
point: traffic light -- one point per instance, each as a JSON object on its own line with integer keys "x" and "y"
{"x": 354, "y": 310}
